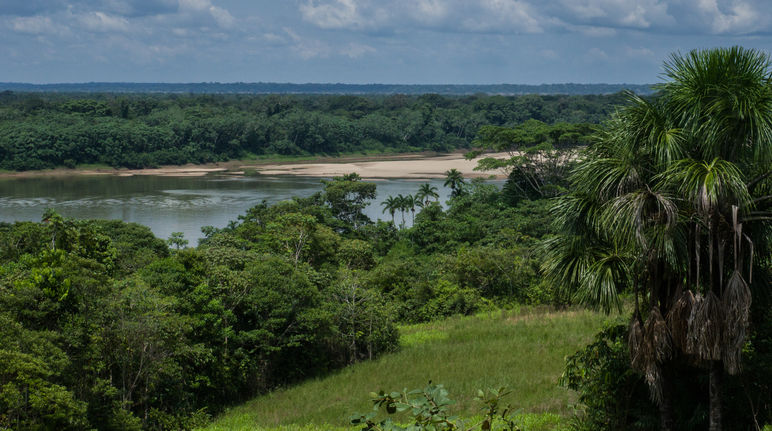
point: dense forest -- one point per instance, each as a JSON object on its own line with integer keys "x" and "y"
{"x": 106, "y": 326}
{"x": 664, "y": 217}
{"x": 39, "y": 131}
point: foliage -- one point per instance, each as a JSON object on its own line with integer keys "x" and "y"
{"x": 347, "y": 196}
{"x": 613, "y": 395}
{"x": 669, "y": 203}
{"x": 429, "y": 411}
{"x": 120, "y": 332}
{"x": 540, "y": 155}
{"x": 40, "y": 131}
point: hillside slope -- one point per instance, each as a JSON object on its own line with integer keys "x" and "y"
{"x": 524, "y": 351}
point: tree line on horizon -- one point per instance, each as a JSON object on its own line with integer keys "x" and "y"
{"x": 42, "y": 131}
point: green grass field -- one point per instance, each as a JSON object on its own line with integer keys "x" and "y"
{"x": 523, "y": 351}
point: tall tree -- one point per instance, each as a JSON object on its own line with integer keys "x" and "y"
{"x": 669, "y": 203}
{"x": 425, "y": 192}
{"x": 391, "y": 204}
{"x": 455, "y": 180}
{"x": 347, "y": 197}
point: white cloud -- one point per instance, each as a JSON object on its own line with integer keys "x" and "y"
{"x": 640, "y": 52}
{"x": 639, "y": 14}
{"x": 506, "y": 16}
{"x": 223, "y": 18}
{"x": 356, "y": 50}
{"x": 196, "y": 5}
{"x": 427, "y": 11}
{"x": 205, "y": 9}
{"x": 33, "y": 25}
{"x": 337, "y": 14}
{"x": 102, "y": 22}
{"x": 307, "y": 48}
{"x": 600, "y": 18}
{"x": 595, "y": 31}
{"x": 446, "y": 15}
{"x": 740, "y": 16}
{"x": 311, "y": 48}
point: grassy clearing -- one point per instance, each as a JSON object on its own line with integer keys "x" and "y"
{"x": 523, "y": 351}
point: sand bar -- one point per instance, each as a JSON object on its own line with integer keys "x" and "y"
{"x": 394, "y": 166}
{"x": 426, "y": 167}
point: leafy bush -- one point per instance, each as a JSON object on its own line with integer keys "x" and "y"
{"x": 428, "y": 410}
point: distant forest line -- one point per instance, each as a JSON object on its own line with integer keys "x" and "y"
{"x": 47, "y": 130}
{"x": 326, "y": 88}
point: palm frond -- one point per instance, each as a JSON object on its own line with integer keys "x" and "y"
{"x": 706, "y": 328}
{"x": 725, "y": 98}
{"x": 603, "y": 280}
{"x": 678, "y": 319}
{"x": 635, "y": 344}
{"x": 736, "y": 303}
{"x": 706, "y": 184}
{"x": 654, "y": 350}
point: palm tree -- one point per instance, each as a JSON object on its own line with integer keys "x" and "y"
{"x": 425, "y": 192}
{"x": 402, "y": 206}
{"x": 662, "y": 205}
{"x": 455, "y": 180}
{"x": 411, "y": 202}
{"x": 391, "y": 204}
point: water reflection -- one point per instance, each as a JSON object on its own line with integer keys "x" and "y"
{"x": 169, "y": 204}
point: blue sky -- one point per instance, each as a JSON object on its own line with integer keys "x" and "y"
{"x": 366, "y": 41}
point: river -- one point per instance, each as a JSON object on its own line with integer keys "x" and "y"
{"x": 171, "y": 204}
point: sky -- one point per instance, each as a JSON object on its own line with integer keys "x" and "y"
{"x": 366, "y": 41}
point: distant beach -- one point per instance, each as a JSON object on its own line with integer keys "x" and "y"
{"x": 386, "y": 166}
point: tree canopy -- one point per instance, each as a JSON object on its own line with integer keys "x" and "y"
{"x": 672, "y": 202}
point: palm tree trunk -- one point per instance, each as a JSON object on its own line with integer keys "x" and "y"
{"x": 716, "y": 369}
{"x": 716, "y": 374}
{"x": 666, "y": 421}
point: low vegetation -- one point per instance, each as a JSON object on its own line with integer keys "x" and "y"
{"x": 523, "y": 350}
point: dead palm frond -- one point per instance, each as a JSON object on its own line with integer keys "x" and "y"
{"x": 706, "y": 329}
{"x": 653, "y": 349}
{"x": 678, "y": 319}
{"x": 635, "y": 344}
{"x": 736, "y": 304}
{"x": 653, "y": 376}
{"x": 657, "y": 345}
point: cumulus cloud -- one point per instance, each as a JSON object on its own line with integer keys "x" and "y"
{"x": 443, "y": 15}
{"x": 734, "y": 17}
{"x": 339, "y": 14}
{"x": 506, "y": 15}
{"x": 102, "y": 22}
{"x": 33, "y": 25}
{"x": 447, "y": 37}
{"x": 639, "y": 14}
{"x": 601, "y": 17}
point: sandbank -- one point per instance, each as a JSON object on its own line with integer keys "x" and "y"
{"x": 425, "y": 167}
{"x": 372, "y": 167}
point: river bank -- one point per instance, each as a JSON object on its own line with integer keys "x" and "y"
{"x": 420, "y": 165}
